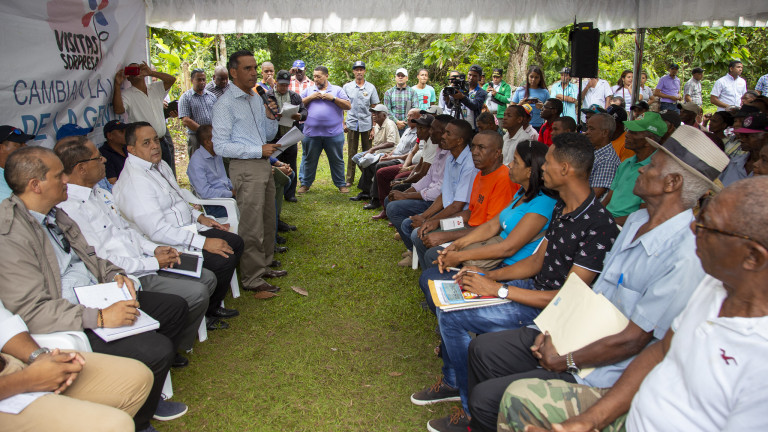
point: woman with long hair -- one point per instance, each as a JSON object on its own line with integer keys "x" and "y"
{"x": 533, "y": 93}
{"x": 514, "y": 233}
{"x": 623, "y": 88}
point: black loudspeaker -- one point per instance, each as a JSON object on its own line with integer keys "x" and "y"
{"x": 585, "y": 47}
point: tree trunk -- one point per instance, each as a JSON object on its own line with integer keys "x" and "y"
{"x": 222, "y": 61}
{"x": 517, "y": 66}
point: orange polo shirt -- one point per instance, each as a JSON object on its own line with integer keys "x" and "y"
{"x": 490, "y": 195}
{"x": 618, "y": 145}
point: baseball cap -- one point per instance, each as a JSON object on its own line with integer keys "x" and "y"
{"x": 425, "y": 119}
{"x": 690, "y": 106}
{"x": 299, "y": 64}
{"x": 434, "y": 110}
{"x": 403, "y": 71}
{"x": 594, "y": 109}
{"x": 379, "y": 108}
{"x": 361, "y": 64}
{"x": 476, "y": 68}
{"x": 697, "y": 70}
{"x": 754, "y": 124}
{"x": 114, "y": 125}
{"x": 651, "y": 122}
{"x": 70, "y": 129}
{"x": 13, "y": 134}
{"x": 745, "y": 111}
{"x": 695, "y": 152}
{"x": 283, "y": 77}
{"x": 673, "y": 66}
{"x": 497, "y": 72}
{"x": 640, "y": 104}
{"x": 671, "y": 117}
{"x": 617, "y": 112}
{"x": 565, "y": 70}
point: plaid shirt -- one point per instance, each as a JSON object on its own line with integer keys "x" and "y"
{"x": 198, "y": 107}
{"x": 217, "y": 91}
{"x": 298, "y": 87}
{"x": 762, "y": 85}
{"x": 399, "y": 101}
{"x": 604, "y": 168}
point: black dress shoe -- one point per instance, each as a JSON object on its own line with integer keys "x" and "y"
{"x": 373, "y": 205}
{"x": 179, "y": 361}
{"x": 222, "y": 312}
{"x": 275, "y": 263}
{"x": 292, "y": 199}
{"x": 285, "y": 227}
{"x": 281, "y": 249}
{"x": 263, "y": 287}
{"x": 212, "y": 324}
{"x": 275, "y": 273}
{"x": 360, "y": 197}
{"x": 280, "y": 240}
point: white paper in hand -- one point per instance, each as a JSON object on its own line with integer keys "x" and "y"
{"x": 292, "y": 137}
{"x": 577, "y": 316}
{"x": 102, "y": 296}
{"x": 286, "y": 113}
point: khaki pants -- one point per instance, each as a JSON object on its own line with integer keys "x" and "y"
{"x": 104, "y": 397}
{"x": 255, "y": 195}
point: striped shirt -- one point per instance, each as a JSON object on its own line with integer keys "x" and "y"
{"x": 240, "y": 125}
{"x": 399, "y": 101}
{"x": 217, "y": 91}
{"x": 198, "y": 107}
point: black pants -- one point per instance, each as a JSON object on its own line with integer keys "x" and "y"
{"x": 367, "y": 182}
{"x": 495, "y": 361}
{"x": 289, "y": 156}
{"x": 168, "y": 150}
{"x": 402, "y": 187}
{"x": 374, "y": 183}
{"x": 222, "y": 267}
{"x": 156, "y": 349}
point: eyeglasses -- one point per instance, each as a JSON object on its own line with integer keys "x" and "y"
{"x": 699, "y": 226}
{"x": 88, "y": 160}
{"x": 58, "y": 236}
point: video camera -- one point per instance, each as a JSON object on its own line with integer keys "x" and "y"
{"x": 457, "y": 84}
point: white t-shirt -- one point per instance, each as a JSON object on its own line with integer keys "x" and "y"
{"x": 429, "y": 151}
{"x": 712, "y": 378}
{"x": 626, "y": 94}
{"x": 146, "y": 107}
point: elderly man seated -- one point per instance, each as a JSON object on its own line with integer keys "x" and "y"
{"x": 46, "y": 257}
{"x": 708, "y": 373}
{"x": 649, "y": 275}
{"x": 101, "y": 388}
{"x": 531, "y": 282}
{"x": 93, "y": 209}
{"x": 385, "y": 136}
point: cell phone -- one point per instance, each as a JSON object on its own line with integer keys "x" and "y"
{"x": 132, "y": 70}
{"x": 172, "y": 106}
{"x": 532, "y": 100}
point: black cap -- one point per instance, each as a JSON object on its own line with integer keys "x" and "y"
{"x": 745, "y": 111}
{"x": 10, "y": 133}
{"x": 283, "y": 77}
{"x": 640, "y": 104}
{"x": 114, "y": 125}
{"x": 671, "y": 116}
{"x": 358, "y": 64}
{"x": 755, "y": 123}
{"x": 476, "y": 68}
{"x": 618, "y": 113}
{"x": 425, "y": 119}
{"x": 673, "y": 66}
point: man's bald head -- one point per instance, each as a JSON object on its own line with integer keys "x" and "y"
{"x": 747, "y": 202}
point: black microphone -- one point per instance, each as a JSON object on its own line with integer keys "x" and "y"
{"x": 262, "y": 93}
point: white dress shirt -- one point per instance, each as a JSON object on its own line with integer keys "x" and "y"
{"x": 148, "y": 107}
{"x": 149, "y": 198}
{"x": 96, "y": 214}
{"x": 10, "y": 325}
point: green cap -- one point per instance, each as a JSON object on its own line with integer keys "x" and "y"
{"x": 651, "y": 122}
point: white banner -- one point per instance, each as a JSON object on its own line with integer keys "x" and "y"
{"x": 59, "y": 62}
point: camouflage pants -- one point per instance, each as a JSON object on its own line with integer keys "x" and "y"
{"x": 543, "y": 402}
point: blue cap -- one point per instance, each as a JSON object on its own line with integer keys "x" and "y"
{"x": 69, "y": 130}
{"x": 358, "y": 64}
{"x": 299, "y": 64}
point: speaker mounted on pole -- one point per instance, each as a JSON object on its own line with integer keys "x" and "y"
{"x": 585, "y": 48}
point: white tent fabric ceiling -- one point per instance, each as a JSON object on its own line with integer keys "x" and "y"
{"x": 443, "y": 16}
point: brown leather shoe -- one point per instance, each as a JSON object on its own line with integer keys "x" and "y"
{"x": 263, "y": 287}
{"x": 275, "y": 273}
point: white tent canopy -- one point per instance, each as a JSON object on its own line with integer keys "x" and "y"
{"x": 441, "y": 16}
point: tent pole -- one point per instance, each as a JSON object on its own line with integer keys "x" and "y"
{"x": 638, "y": 65}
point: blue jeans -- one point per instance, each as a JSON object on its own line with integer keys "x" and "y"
{"x": 669, "y": 107}
{"x": 454, "y": 328}
{"x": 334, "y": 149}
{"x": 398, "y": 213}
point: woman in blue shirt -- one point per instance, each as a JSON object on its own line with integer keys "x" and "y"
{"x": 520, "y": 226}
{"x": 534, "y": 93}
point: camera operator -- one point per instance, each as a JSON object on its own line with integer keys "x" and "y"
{"x": 469, "y": 98}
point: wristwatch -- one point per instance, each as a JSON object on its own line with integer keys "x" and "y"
{"x": 572, "y": 368}
{"x": 503, "y": 291}
{"x": 37, "y": 353}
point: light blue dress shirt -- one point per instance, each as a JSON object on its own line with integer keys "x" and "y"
{"x": 649, "y": 279}
{"x": 206, "y": 174}
{"x": 362, "y": 98}
{"x": 5, "y": 191}
{"x": 458, "y": 177}
{"x": 240, "y": 125}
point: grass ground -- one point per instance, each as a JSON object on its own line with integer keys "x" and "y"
{"x": 344, "y": 358}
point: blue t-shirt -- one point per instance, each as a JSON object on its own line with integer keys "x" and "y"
{"x": 426, "y": 96}
{"x": 541, "y": 94}
{"x": 510, "y": 216}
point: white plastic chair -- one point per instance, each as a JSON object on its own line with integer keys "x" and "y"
{"x": 78, "y": 341}
{"x": 233, "y": 219}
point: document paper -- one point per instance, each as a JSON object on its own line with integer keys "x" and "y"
{"x": 102, "y": 296}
